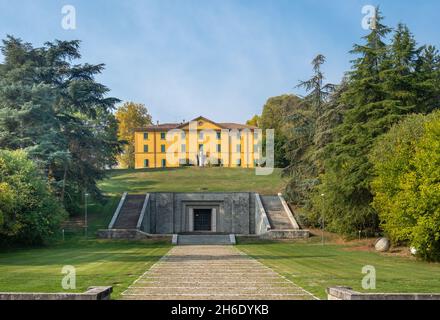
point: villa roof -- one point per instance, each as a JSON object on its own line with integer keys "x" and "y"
{"x": 170, "y": 126}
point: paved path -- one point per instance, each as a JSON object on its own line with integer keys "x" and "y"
{"x": 212, "y": 273}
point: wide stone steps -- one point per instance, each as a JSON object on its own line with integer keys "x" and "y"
{"x": 215, "y": 239}
{"x": 242, "y": 290}
{"x": 212, "y": 273}
{"x": 130, "y": 212}
{"x": 276, "y": 213}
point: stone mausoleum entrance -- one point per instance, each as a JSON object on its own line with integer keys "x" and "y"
{"x": 202, "y": 219}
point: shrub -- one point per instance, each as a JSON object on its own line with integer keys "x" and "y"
{"x": 407, "y": 183}
{"x": 29, "y": 214}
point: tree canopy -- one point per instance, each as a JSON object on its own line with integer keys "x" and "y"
{"x": 130, "y": 116}
{"x": 56, "y": 111}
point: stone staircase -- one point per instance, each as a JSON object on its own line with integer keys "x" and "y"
{"x": 212, "y": 273}
{"x": 276, "y": 213}
{"x": 130, "y": 212}
{"x": 208, "y": 239}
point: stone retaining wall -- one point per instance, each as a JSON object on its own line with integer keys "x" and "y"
{"x": 346, "y": 293}
{"x": 286, "y": 234}
{"x": 93, "y": 293}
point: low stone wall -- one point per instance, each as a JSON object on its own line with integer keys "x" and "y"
{"x": 286, "y": 234}
{"x": 128, "y": 234}
{"x": 346, "y": 293}
{"x": 93, "y": 293}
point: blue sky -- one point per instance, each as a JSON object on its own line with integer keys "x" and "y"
{"x": 218, "y": 58}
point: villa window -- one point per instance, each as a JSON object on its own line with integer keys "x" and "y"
{"x": 238, "y": 162}
{"x": 162, "y": 135}
{"x": 164, "y": 163}
{"x": 145, "y": 148}
{"x": 145, "y": 135}
{"x": 219, "y": 135}
{"x": 201, "y": 135}
{"x": 146, "y": 163}
{"x": 162, "y": 148}
{"x": 183, "y": 148}
{"x": 219, "y": 148}
{"x": 201, "y": 147}
{"x": 238, "y": 148}
{"x": 183, "y": 135}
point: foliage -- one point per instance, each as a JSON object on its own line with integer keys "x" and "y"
{"x": 304, "y": 124}
{"x": 56, "y": 111}
{"x": 255, "y": 121}
{"x": 29, "y": 214}
{"x": 382, "y": 88}
{"x": 130, "y": 116}
{"x": 407, "y": 183}
{"x": 274, "y": 115}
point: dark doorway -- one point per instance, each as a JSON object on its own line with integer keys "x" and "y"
{"x": 202, "y": 219}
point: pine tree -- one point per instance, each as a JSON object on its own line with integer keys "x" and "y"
{"x": 344, "y": 195}
{"x": 382, "y": 89}
{"x": 302, "y": 124}
{"x": 428, "y": 79}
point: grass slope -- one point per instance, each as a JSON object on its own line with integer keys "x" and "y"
{"x": 191, "y": 179}
{"x": 315, "y": 267}
{"x": 97, "y": 263}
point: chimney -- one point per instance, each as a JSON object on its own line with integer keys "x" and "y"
{"x": 157, "y": 122}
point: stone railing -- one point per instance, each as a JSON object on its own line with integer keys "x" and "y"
{"x": 262, "y": 225}
{"x": 288, "y": 212}
{"x": 93, "y": 293}
{"x": 118, "y": 209}
{"x": 142, "y": 215}
{"x": 346, "y": 293}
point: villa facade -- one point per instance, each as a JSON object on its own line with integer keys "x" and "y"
{"x": 200, "y": 142}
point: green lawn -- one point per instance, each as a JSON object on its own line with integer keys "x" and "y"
{"x": 119, "y": 263}
{"x": 316, "y": 267}
{"x": 97, "y": 263}
{"x": 191, "y": 179}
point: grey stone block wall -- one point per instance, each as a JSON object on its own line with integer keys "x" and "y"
{"x": 168, "y": 213}
{"x": 346, "y": 293}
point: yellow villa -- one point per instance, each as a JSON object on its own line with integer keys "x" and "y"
{"x": 200, "y": 142}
